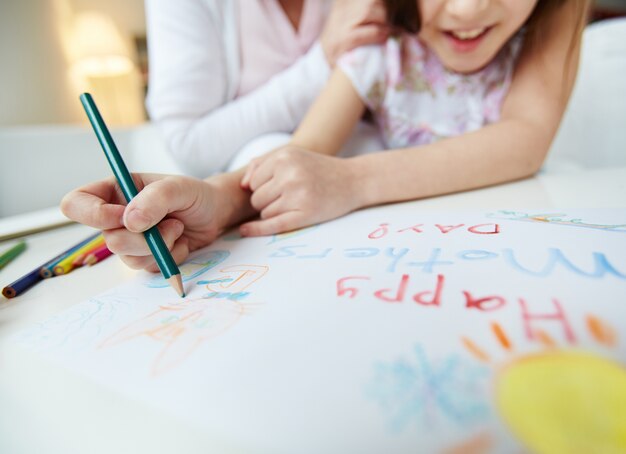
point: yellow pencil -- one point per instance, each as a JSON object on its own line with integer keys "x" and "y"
{"x": 67, "y": 264}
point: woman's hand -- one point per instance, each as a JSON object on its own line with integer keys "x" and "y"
{"x": 191, "y": 213}
{"x": 292, "y": 188}
{"x": 353, "y": 23}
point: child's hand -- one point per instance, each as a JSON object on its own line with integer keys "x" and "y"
{"x": 187, "y": 210}
{"x": 292, "y": 188}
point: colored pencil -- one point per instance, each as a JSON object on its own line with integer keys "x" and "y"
{"x": 22, "y": 284}
{"x": 25, "y": 282}
{"x": 47, "y": 269}
{"x": 92, "y": 252}
{"x": 157, "y": 246}
{"x": 67, "y": 264}
{"x": 12, "y": 253}
{"x": 97, "y": 256}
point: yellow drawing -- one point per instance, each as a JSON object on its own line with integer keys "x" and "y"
{"x": 561, "y": 400}
{"x": 184, "y": 325}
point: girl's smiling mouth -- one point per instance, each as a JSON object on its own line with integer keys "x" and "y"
{"x": 468, "y": 39}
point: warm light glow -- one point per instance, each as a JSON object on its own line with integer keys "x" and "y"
{"x": 99, "y": 46}
{"x": 111, "y": 65}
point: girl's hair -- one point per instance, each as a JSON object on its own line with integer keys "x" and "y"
{"x": 544, "y": 9}
{"x": 404, "y": 15}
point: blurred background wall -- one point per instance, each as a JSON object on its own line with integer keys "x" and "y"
{"x": 41, "y": 48}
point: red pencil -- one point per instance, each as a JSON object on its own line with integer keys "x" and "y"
{"x": 97, "y": 256}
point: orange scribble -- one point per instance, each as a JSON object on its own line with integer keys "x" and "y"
{"x": 501, "y": 335}
{"x": 475, "y": 350}
{"x": 478, "y": 444}
{"x": 544, "y": 338}
{"x": 600, "y": 331}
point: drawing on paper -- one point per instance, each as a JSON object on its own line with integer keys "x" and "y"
{"x": 429, "y": 392}
{"x": 560, "y": 399}
{"x": 555, "y": 218}
{"x": 77, "y": 328}
{"x": 182, "y": 326}
{"x": 192, "y": 268}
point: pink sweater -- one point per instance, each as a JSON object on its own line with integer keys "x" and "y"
{"x": 268, "y": 41}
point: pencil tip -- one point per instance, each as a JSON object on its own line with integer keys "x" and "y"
{"x": 176, "y": 281}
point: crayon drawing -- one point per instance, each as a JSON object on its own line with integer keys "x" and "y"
{"x": 560, "y": 399}
{"x": 556, "y": 218}
{"x": 430, "y": 392}
{"x": 182, "y": 326}
{"x": 192, "y": 268}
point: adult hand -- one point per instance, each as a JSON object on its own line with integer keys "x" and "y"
{"x": 188, "y": 212}
{"x": 353, "y": 23}
{"x": 292, "y": 188}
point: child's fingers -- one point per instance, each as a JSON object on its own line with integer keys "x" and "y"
{"x": 124, "y": 242}
{"x": 264, "y": 196}
{"x": 245, "y": 180}
{"x": 263, "y": 172}
{"x": 157, "y": 200}
{"x": 90, "y": 209}
{"x": 250, "y": 168}
{"x": 179, "y": 252}
{"x": 284, "y": 222}
{"x": 276, "y": 208}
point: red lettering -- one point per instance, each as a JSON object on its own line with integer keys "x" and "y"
{"x": 420, "y": 298}
{"x": 558, "y": 315}
{"x": 448, "y": 228}
{"x": 490, "y": 229}
{"x": 415, "y": 228}
{"x": 350, "y": 292}
{"x": 399, "y": 296}
{"x": 483, "y": 304}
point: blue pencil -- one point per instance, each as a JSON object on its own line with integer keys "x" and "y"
{"x": 22, "y": 284}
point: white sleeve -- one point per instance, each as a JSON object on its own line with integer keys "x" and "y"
{"x": 188, "y": 89}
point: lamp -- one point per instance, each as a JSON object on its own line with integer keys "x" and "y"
{"x": 99, "y": 46}
{"x": 102, "y": 58}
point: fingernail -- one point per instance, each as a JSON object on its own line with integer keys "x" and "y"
{"x": 137, "y": 221}
{"x": 243, "y": 230}
{"x": 179, "y": 228}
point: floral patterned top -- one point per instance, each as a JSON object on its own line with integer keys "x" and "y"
{"x": 416, "y": 100}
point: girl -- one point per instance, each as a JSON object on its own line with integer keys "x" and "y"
{"x": 468, "y": 93}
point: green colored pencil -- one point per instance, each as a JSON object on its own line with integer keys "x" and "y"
{"x": 12, "y": 253}
{"x": 157, "y": 246}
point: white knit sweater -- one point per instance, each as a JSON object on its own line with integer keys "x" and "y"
{"x": 194, "y": 72}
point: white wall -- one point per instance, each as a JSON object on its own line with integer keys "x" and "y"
{"x": 35, "y": 84}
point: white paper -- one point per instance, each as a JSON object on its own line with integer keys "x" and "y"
{"x": 389, "y": 330}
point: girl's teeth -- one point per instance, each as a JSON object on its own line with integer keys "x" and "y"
{"x": 468, "y": 34}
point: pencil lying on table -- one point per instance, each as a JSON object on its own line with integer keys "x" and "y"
{"x": 25, "y": 282}
{"x": 12, "y": 253}
{"x": 47, "y": 269}
{"x": 157, "y": 246}
{"x": 97, "y": 256}
{"x": 67, "y": 264}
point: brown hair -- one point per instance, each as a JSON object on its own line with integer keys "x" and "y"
{"x": 404, "y": 15}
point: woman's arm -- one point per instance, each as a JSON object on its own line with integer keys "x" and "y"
{"x": 188, "y": 95}
{"x": 510, "y": 149}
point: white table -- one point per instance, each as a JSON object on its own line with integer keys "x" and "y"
{"x": 44, "y": 408}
